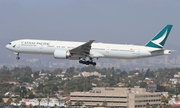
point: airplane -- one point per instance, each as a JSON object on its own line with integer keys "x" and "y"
{"x": 85, "y": 52}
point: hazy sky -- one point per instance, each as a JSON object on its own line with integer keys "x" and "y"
{"x": 113, "y": 21}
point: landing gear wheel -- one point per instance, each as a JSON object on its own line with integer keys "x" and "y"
{"x": 17, "y": 58}
{"x": 94, "y": 63}
{"x": 80, "y": 61}
{"x": 87, "y": 62}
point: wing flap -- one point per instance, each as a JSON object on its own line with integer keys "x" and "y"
{"x": 83, "y": 49}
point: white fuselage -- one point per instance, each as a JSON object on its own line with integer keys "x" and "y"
{"x": 98, "y": 50}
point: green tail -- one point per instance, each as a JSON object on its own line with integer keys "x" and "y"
{"x": 159, "y": 39}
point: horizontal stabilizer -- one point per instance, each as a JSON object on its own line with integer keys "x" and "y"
{"x": 163, "y": 51}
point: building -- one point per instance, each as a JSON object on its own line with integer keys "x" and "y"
{"x": 117, "y": 97}
{"x": 43, "y": 102}
{"x": 87, "y": 74}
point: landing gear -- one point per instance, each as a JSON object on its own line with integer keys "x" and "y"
{"x": 17, "y": 56}
{"x": 88, "y": 62}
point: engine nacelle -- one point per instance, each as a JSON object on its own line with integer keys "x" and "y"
{"x": 61, "y": 54}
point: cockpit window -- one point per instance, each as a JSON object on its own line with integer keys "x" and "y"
{"x": 9, "y": 43}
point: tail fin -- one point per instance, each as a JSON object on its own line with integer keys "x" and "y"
{"x": 159, "y": 39}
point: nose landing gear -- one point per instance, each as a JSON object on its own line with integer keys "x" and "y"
{"x": 17, "y": 56}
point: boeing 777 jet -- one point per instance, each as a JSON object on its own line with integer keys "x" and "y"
{"x": 85, "y": 52}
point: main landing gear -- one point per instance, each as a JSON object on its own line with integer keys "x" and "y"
{"x": 17, "y": 56}
{"x": 87, "y": 62}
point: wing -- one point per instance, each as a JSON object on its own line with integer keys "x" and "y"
{"x": 83, "y": 50}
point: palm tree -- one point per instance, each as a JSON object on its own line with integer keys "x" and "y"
{"x": 98, "y": 105}
{"x": 104, "y": 104}
{"x": 81, "y": 103}
{"x": 164, "y": 99}
{"x": 2, "y": 104}
{"x": 77, "y": 103}
{"x": 154, "y": 106}
{"x": 17, "y": 100}
{"x": 12, "y": 105}
{"x": 55, "y": 105}
{"x": 9, "y": 101}
{"x": 169, "y": 106}
{"x": 59, "y": 100}
{"x": 68, "y": 103}
{"x": 23, "y": 104}
{"x": 147, "y": 105}
{"x": 176, "y": 98}
{"x": 39, "y": 100}
{"x": 48, "y": 100}
{"x": 31, "y": 106}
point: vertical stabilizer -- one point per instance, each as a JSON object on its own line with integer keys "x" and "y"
{"x": 159, "y": 39}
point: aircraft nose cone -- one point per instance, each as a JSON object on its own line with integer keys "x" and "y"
{"x": 7, "y": 46}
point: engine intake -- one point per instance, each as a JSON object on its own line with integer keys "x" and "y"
{"x": 61, "y": 54}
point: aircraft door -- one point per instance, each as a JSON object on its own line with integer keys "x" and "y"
{"x": 18, "y": 45}
{"x": 137, "y": 52}
{"x": 41, "y": 47}
{"x": 107, "y": 49}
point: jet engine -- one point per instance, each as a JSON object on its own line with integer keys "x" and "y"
{"x": 61, "y": 54}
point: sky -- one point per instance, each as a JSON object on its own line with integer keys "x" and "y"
{"x": 111, "y": 21}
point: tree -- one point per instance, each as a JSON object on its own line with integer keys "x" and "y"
{"x": 66, "y": 104}
{"x": 77, "y": 103}
{"x": 54, "y": 87}
{"x": 143, "y": 85}
{"x": 40, "y": 86}
{"x": 57, "y": 71}
{"x": 154, "y": 106}
{"x": 69, "y": 103}
{"x": 31, "y": 95}
{"x": 16, "y": 101}
{"x": 177, "y": 88}
{"x": 81, "y": 103}
{"x": 23, "y": 91}
{"x": 59, "y": 100}
{"x": 148, "y": 105}
{"x": 31, "y": 106}
{"x": 1, "y": 99}
{"x": 23, "y": 104}
{"x": 164, "y": 99}
{"x": 177, "y": 98}
{"x": 39, "y": 100}
{"x": 55, "y": 106}
{"x": 98, "y": 105}
{"x": 9, "y": 101}
{"x": 2, "y": 104}
{"x": 48, "y": 100}
{"x": 104, "y": 104}
{"x": 123, "y": 74}
{"x": 17, "y": 89}
{"x": 26, "y": 79}
{"x": 36, "y": 75}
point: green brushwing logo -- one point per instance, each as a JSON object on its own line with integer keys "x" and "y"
{"x": 159, "y": 39}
